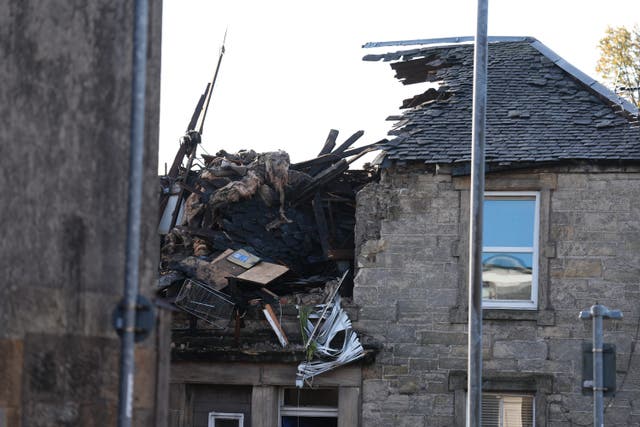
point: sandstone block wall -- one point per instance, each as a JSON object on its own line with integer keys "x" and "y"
{"x": 64, "y": 154}
{"x": 411, "y": 288}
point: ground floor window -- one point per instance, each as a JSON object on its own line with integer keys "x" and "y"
{"x": 507, "y": 410}
{"x": 309, "y": 407}
{"x": 226, "y": 419}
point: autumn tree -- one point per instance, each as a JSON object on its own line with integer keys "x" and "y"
{"x": 619, "y": 62}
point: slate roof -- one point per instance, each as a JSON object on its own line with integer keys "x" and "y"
{"x": 539, "y": 108}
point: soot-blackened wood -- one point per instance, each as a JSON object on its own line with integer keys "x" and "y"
{"x": 321, "y": 179}
{"x": 334, "y": 157}
{"x": 329, "y": 143}
{"x": 322, "y": 160}
{"x": 349, "y": 142}
{"x": 321, "y": 222}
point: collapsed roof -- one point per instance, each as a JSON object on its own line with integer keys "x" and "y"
{"x": 252, "y": 250}
{"x": 540, "y": 109}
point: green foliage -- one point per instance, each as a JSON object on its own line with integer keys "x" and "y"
{"x": 619, "y": 62}
{"x": 305, "y": 311}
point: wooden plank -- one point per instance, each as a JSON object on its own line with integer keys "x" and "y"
{"x": 321, "y": 222}
{"x": 328, "y": 146}
{"x": 263, "y": 273}
{"x": 163, "y": 328}
{"x": 264, "y": 406}
{"x": 348, "y": 406}
{"x": 285, "y": 375}
{"x": 276, "y": 374}
{"x": 349, "y": 142}
{"x": 323, "y": 178}
{"x": 275, "y": 325}
{"x": 329, "y": 143}
{"x": 321, "y": 160}
{"x": 216, "y": 373}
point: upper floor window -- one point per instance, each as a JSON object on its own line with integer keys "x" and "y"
{"x": 510, "y": 250}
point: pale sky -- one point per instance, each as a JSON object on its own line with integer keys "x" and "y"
{"x": 293, "y": 70}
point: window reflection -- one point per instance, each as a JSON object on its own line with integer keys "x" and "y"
{"x": 506, "y": 276}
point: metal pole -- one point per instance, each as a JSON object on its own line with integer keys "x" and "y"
{"x": 474, "y": 363}
{"x": 598, "y": 398}
{"x": 597, "y": 313}
{"x": 127, "y": 368}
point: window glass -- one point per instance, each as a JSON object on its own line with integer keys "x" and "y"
{"x": 504, "y": 410}
{"x": 509, "y": 256}
{"x": 305, "y": 407}
{"x": 311, "y": 397}
{"x": 508, "y": 221}
{"x": 506, "y": 275}
{"x": 293, "y": 421}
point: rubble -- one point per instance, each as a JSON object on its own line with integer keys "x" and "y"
{"x": 247, "y": 236}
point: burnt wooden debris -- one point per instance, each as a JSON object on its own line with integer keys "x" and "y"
{"x": 256, "y": 230}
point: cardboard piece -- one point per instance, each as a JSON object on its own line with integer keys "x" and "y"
{"x": 263, "y": 273}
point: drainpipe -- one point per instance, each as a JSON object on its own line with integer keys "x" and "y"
{"x": 474, "y": 363}
{"x": 127, "y": 368}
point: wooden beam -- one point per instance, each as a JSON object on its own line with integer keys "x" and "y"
{"x": 321, "y": 222}
{"x": 349, "y": 142}
{"x": 264, "y": 406}
{"x": 348, "y": 406}
{"x": 329, "y": 143}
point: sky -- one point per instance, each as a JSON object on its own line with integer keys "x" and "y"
{"x": 293, "y": 70}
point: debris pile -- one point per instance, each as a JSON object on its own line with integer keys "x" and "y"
{"x": 248, "y": 236}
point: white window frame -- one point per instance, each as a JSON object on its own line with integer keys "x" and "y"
{"x": 531, "y": 304}
{"x": 501, "y": 397}
{"x": 213, "y": 416}
{"x": 306, "y": 411}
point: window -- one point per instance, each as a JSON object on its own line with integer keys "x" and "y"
{"x": 309, "y": 407}
{"x": 226, "y": 419}
{"x": 510, "y": 250}
{"x": 507, "y": 410}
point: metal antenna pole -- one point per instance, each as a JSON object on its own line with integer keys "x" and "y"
{"x": 474, "y": 363}
{"x": 127, "y": 368}
{"x": 597, "y": 313}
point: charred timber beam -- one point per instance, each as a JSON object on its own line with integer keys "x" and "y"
{"x": 321, "y": 179}
{"x": 321, "y": 222}
{"x": 333, "y": 157}
{"x": 329, "y": 143}
{"x": 349, "y": 142}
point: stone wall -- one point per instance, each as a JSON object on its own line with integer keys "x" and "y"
{"x": 411, "y": 288}
{"x": 64, "y": 152}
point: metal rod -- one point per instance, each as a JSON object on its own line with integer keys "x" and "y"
{"x": 598, "y": 383}
{"x": 474, "y": 363}
{"x": 200, "y": 124}
{"x": 127, "y": 366}
{"x": 597, "y": 313}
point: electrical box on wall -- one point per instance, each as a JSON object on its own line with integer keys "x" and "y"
{"x": 608, "y": 368}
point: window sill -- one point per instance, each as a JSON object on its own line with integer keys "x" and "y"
{"x": 541, "y": 317}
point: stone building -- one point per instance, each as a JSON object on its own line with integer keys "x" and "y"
{"x": 65, "y": 110}
{"x": 562, "y": 231}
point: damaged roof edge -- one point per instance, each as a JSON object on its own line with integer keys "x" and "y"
{"x": 443, "y": 40}
{"x": 593, "y": 85}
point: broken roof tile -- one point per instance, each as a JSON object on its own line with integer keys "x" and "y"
{"x": 559, "y": 104}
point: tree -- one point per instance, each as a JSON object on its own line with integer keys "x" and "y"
{"x": 619, "y": 62}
